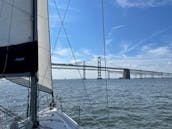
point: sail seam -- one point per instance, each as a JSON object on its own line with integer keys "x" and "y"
{"x": 15, "y": 7}
{"x": 9, "y": 37}
{"x": 1, "y": 8}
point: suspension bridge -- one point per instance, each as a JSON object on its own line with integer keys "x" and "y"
{"x": 126, "y": 73}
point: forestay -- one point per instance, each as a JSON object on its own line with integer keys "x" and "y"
{"x": 20, "y": 54}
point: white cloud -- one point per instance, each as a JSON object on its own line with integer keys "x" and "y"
{"x": 109, "y": 38}
{"x": 136, "y": 45}
{"x": 169, "y": 63}
{"x": 118, "y": 27}
{"x": 145, "y": 47}
{"x": 109, "y": 41}
{"x": 150, "y": 58}
{"x": 158, "y": 62}
{"x": 64, "y": 8}
{"x": 125, "y": 47}
{"x": 143, "y": 3}
{"x": 160, "y": 51}
{"x": 64, "y": 55}
{"x": 62, "y": 52}
{"x": 115, "y": 28}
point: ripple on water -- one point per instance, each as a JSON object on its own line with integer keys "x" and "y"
{"x": 133, "y": 104}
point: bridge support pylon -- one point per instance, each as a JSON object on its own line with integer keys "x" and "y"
{"x": 84, "y": 71}
{"x": 126, "y": 74}
{"x": 99, "y": 68}
{"x": 108, "y": 75}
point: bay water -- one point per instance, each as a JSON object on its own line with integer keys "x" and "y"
{"x": 121, "y": 104}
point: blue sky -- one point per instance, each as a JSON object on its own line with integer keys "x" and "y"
{"x": 138, "y": 32}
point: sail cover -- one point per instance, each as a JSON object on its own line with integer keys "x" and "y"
{"x": 19, "y": 52}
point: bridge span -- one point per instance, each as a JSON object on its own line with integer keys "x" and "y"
{"x": 125, "y": 72}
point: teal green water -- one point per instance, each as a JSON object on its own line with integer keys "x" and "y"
{"x": 132, "y": 104}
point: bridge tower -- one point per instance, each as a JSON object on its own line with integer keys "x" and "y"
{"x": 108, "y": 75}
{"x": 99, "y": 68}
{"x": 152, "y": 75}
{"x": 141, "y": 75}
{"x": 135, "y": 75}
{"x": 126, "y": 74}
{"x": 84, "y": 71}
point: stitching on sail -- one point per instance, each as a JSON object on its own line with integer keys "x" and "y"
{"x": 9, "y": 36}
{"x": 15, "y": 7}
{"x": 1, "y": 7}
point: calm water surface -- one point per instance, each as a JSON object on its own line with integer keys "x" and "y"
{"x": 131, "y": 104}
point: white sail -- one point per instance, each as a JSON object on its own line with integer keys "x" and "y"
{"x": 44, "y": 58}
{"x": 24, "y": 81}
{"x": 15, "y": 22}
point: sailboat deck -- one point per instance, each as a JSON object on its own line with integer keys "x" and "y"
{"x": 54, "y": 119}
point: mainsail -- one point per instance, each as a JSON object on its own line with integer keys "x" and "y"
{"x": 20, "y": 53}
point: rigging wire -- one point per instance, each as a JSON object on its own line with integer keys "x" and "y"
{"x": 22, "y": 10}
{"x": 57, "y": 36}
{"x": 59, "y": 31}
{"x": 55, "y": 43}
{"x": 75, "y": 60}
{"x": 56, "y": 40}
{"x": 105, "y": 60}
{"x": 53, "y": 50}
{"x": 69, "y": 43}
{"x": 64, "y": 29}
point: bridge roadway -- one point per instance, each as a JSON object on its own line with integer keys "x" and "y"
{"x": 125, "y": 71}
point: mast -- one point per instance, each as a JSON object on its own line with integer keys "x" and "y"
{"x": 34, "y": 78}
{"x": 33, "y": 102}
{"x": 26, "y": 36}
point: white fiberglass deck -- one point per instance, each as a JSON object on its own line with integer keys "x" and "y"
{"x": 54, "y": 119}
